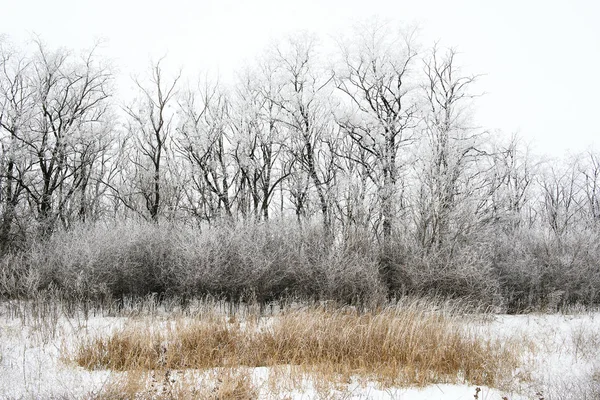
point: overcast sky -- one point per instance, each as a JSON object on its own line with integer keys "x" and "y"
{"x": 541, "y": 58}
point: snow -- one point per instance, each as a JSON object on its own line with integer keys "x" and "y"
{"x": 31, "y": 365}
{"x": 561, "y": 360}
{"x": 565, "y": 358}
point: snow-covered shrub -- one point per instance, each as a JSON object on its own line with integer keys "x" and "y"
{"x": 540, "y": 271}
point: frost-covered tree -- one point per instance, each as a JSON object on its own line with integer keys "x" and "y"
{"x": 377, "y": 77}
{"x": 205, "y": 140}
{"x": 150, "y": 126}
{"x": 55, "y": 110}
{"x": 259, "y": 139}
{"x": 306, "y": 116}
{"x": 450, "y": 169}
{"x": 16, "y": 107}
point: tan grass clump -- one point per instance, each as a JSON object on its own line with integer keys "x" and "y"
{"x": 410, "y": 344}
{"x": 222, "y": 384}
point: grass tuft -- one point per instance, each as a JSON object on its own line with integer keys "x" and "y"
{"x": 223, "y": 384}
{"x": 412, "y": 344}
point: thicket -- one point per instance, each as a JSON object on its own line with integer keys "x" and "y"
{"x": 269, "y": 262}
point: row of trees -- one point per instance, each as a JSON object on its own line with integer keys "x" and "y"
{"x": 381, "y": 139}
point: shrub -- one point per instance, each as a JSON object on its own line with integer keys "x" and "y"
{"x": 263, "y": 262}
{"x": 538, "y": 271}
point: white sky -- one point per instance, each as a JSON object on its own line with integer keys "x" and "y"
{"x": 541, "y": 57}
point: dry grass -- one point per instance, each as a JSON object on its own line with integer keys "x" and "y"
{"x": 222, "y": 384}
{"x": 406, "y": 345}
{"x": 586, "y": 342}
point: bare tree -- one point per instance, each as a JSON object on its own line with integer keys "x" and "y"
{"x": 507, "y": 201}
{"x": 450, "y": 173}
{"x": 375, "y": 77}
{"x": 97, "y": 157}
{"x": 304, "y": 113}
{"x": 356, "y": 198}
{"x": 561, "y": 198}
{"x": 150, "y": 124}
{"x": 591, "y": 181}
{"x": 16, "y": 107}
{"x": 69, "y": 102}
{"x": 205, "y": 141}
{"x": 259, "y": 137}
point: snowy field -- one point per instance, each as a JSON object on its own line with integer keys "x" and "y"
{"x": 560, "y": 360}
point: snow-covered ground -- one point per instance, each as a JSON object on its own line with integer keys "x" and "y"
{"x": 561, "y": 360}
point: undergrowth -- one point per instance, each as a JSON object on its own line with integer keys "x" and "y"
{"x": 103, "y": 264}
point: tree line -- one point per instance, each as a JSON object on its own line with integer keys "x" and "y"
{"x": 382, "y": 138}
{"x": 378, "y": 137}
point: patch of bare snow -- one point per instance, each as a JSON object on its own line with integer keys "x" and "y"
{"x": 31, "y": 366}
{"x": 563, "y": 358}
